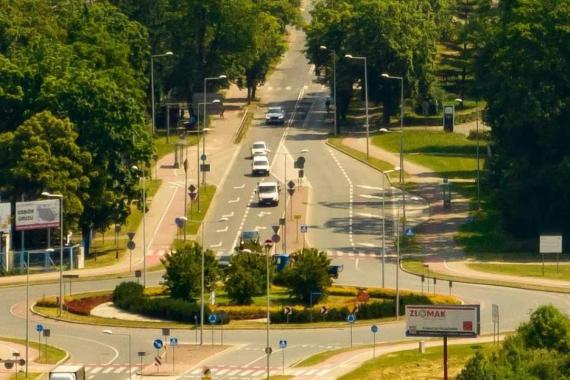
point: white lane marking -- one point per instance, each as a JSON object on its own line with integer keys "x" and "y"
{"x": 234, "y": 200}
{"x": 368, "y": 215}
{"x": 96, "y": 370}
{"x": 369, "y": 196}
{"x": 263, "y": 213}
{"x": 369, "y": 187}
{"x": 258, "y": 228}
{"x": 239, "y": 187}
{"x": 223, "y": 229}
{"x": 96, "y": 341}
{"x": 161, "y": 218}
{"x": 288, "y": 88}
{"x": 222, "y": 219}
{"x": 218, "y": 245}
{"x": 228, "y": 215}
{"x": 350, "y": 198}
{"x": 370, "y": 245}
{"x": 108, "y": 370}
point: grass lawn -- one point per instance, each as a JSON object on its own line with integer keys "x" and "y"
{"x": 54, "y": 354}
{"x": 412, "y": 365}
{"x": 22, "y": 376}
{"x": 163, "y": 148}
{"x": 450, "y": 154}
{"x": 526, "y": 270}
{"x": 195, "y": 218}
{"x": 374, "y": 162}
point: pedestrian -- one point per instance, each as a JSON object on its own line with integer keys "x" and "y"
{"x": 222, "y": 112}
{"x": 328, "y": 105}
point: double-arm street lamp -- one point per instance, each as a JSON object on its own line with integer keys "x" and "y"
{"x": 142, "y": 175}
{"x": 349, "y": 56}
{"x": 168, "y": 53}
{"x": 110, "y": 332}
{"x": 219, "y": 77}
{"x": 202, "y": 129}
{"x": 323, "y": 47}
{"x": 60, "y": 197}
{"x": 401, "y": 79}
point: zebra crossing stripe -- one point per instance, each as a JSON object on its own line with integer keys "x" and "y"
{"x": 95, "y": 370}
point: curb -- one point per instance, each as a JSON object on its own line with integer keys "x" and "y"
{"x": 241, "y": 125}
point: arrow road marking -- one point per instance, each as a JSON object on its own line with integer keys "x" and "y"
{"x": 368, "y": 215}
{"x": 216, "y": 245}
{"x": 228, "y": 215}
{"x": 257, "y": 228}
{"x": 263, "y": 213}
{"x": 239, "y": 187}
{"x": 223, "y": 229}
{"x": 234, "y": 200}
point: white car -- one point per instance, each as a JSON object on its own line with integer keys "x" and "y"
{"x": 259, "y": 149}
{"x": 260, "y": 165}
{"x": 268, "y": 193}
{"x": 275, "y": 115}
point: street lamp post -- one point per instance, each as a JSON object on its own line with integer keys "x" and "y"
{"x": 401, "y": 79}
{"x": 110, "y": 332}
{"x": 219, "y": 77}
{"x": 349, "y": 56}
{"x": 323, "y": 47}
{"x": 203, "y": 130}
{"x": 60, "y": 197}
{"x": 477, "y": 133}
{"x": 168, "y": 53}
{"x": 134, "y": 167}
{"x": 384, "y": 221}
{"x": 268, "y": 245}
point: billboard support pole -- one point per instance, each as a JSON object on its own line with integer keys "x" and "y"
{"x": 445, "y": 357}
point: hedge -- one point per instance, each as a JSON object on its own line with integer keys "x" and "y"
{"x": 83, "y": 306}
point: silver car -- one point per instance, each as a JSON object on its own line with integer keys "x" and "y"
{"x": 275, "y": 115}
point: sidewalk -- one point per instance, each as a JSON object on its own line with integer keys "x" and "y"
{"x": 6, "y": 351}
{"x": 436, "y": 236}
{"x": 168, "y": 202}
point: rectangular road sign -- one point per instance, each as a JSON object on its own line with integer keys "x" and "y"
{"x": 495, "y": 313}
{"x": 37, "y": 214}
{"x": 550, "y": 243}
{"x": 5, "y": 214}
{"x": 443, "y": 320}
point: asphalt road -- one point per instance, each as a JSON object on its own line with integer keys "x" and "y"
{"x": 343, "y": 219}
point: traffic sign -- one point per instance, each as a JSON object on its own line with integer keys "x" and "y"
{"x": 131, "y": 235}
{"x": 173, "y": 341}
{"x": 409, "y": 232}
{"x": 291, "y": 185}
{"x": 291, "y": 191}
{"x": 212, "y": 318}
{"x": 157, "y": 361}
{"x": 288, "y": 310}
{"x": 304, "y": 228}
{"x": 192, "y": 188}
{"x": 268, "y": 350}
{"x": 275, "y": 228}
{"x": 203, "y": 157}
{"x": 275, "y": 238}
{"x": 351, "y": 318}
{"x": 165, "y": 331}
{"x": 131, "y": 245}
{"x": 39, "y": 327}
{"x": 157, "y": 344}
{"x": 204, "y": 167}
{"x": 282, "y": 343}
{"x": 324, "y": 310}
{"x": 374, "y": 329}
{"x": 46, "y": 333}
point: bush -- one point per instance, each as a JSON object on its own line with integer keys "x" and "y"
{"x": 50, "y": 301}
{"x": 83, "y": 306}
{"x": 171, "y": 309}
{"x": 128, "y": 296}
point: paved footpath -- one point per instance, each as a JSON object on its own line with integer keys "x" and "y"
{"x": 168, "y": 202}
{"x": 436, "y": 236}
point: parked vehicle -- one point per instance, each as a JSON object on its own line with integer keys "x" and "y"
{"x": 259, "y": 148}
{"x": 334, "y": 270}
{"x": 268, "y": 193}
{"x": 275, "y": 115}
{"x": 249, "y": 236}
{"x": 67, "y": 372}
{"x": 260, "y": 165}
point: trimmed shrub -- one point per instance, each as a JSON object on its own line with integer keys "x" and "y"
{"x": 128, "y": 296}
{"x": 83, "y": 306}
{"x": 50, "y": 301}
{"x": 171, "y": 309}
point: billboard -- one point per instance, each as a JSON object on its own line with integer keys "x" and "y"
{"x": 550, "y": 244}
{"x": 37, "y": 214}
{"x": 443, "y": 320}
{"x": 5, "y": 211}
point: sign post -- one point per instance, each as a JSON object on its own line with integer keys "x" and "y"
{"x": 444, "y": 321}
{"x": 287, "y": 310}
{"x": 495, "y": 323}
{"x": 46, "y": 333}
{"x": 304, "y": 230}
{"x": 551, "y": 244}
{"x": 39, "y": 329}
{"x": 374, "y": 330}
{"x": 212, "y": 319}
{"x": 173, "y": 344}
{"x": 351, "y": 318}
{"x": 283, "y": 346}
{"x": 157, "y": 344}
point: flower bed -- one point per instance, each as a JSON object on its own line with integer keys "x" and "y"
{"x": 83, "y": 306}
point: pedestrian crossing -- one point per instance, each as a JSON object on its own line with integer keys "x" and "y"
{"x": 95, "y": 370}
{"x": 357, "y": 254}
{"x": 230, "y": 372}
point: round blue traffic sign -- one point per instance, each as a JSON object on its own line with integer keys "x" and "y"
{"x": 157, "y": 344}
{"x": 212, "y": 318}
{"x": 203, "y": 157}
{"x": 351, "y": 318}
{"x": 39, "y": 328}
{"x": 374, "y": 329}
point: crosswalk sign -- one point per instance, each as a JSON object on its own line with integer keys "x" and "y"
{"x": 409, "y": 232}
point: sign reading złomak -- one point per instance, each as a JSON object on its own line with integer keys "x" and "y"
{"x": 37, "y": 214}
{"x": 443, "y": 320}
{"x": 5, "y": 217}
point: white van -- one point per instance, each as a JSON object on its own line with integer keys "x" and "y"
{"x": 260, "y": 165}
{"x": 268, "y": 193}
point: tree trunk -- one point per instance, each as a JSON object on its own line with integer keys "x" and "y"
{"x": 86, "y": 232}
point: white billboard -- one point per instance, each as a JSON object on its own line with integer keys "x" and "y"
{"x": 37, "y": 214}
{"x": 5, "y": 211}
{"x": 443, "y": 320}
{"x": 550, "y": 243}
